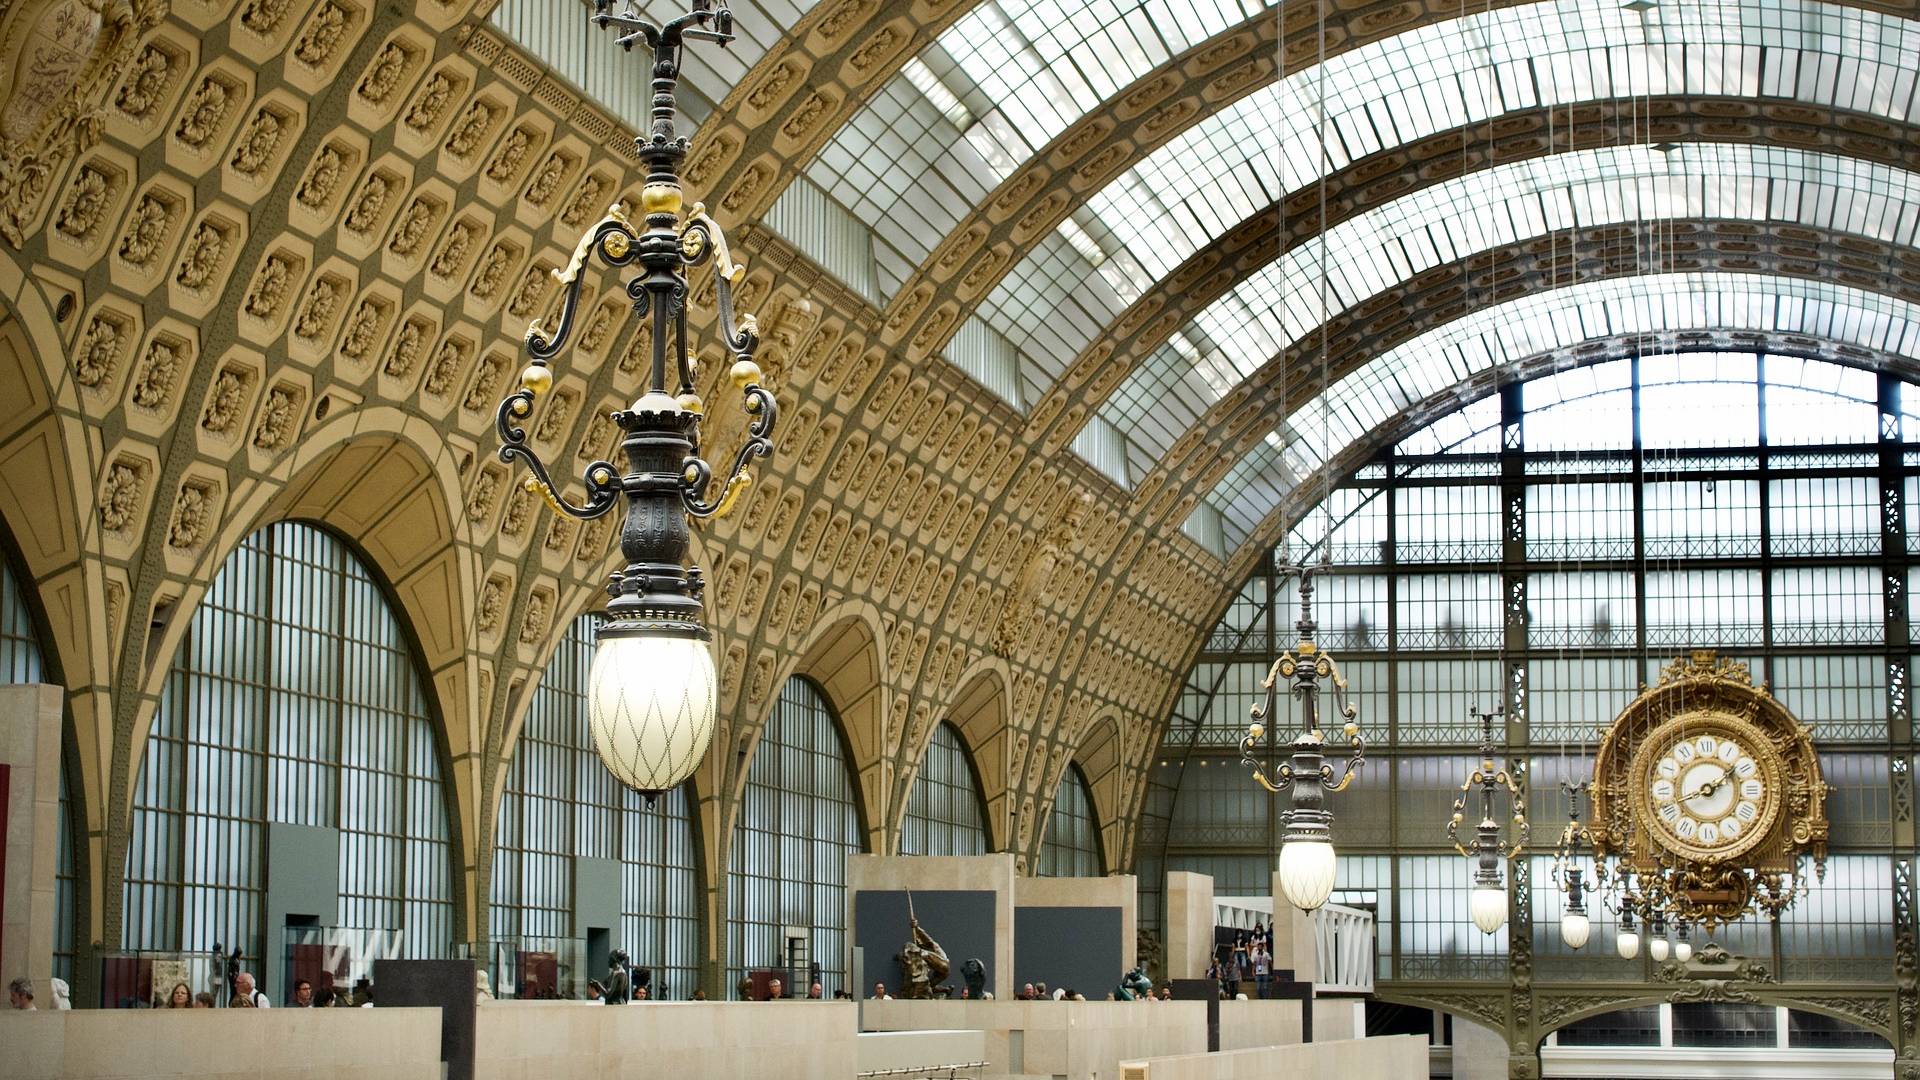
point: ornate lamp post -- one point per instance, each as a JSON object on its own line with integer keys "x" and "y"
{"x": 1568, "y": 875}
{"x": 651, "y": 687}
{"x": 1306, "y": 849}
{"x": 1489, "y": 902}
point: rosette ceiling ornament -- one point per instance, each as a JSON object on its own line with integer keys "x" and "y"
{"x": 1307, "y": 863}
{"x": 651, "y": 689}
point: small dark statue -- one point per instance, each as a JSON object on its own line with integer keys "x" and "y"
{"x": 1134, "y": 986}
{"x": 923, "y": 963}
{"x": 975, "y": 973}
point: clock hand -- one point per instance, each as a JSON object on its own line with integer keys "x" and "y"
{"x": 1707, "y": 788}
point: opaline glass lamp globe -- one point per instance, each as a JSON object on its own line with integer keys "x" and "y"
{"x": 1657, "y": 945}
{"x": 1574, "y": 929}
{"x": 1489, "y": 906}
{"x": 1306, "y": 873}
{"x": 650, "y": 704}
{"x": 1627, "y": 944}
{"x": 1683, "y": 951}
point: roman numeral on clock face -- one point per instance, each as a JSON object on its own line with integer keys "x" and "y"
{"x": 1670, "y": 813}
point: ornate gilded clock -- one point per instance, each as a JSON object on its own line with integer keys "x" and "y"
{"x": 1709, "y": 792}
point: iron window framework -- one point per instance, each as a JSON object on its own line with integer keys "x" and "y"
{"x": 798, "y": 821}
{"x": 1072, "y": 844}
{"x": 561, "y": 804}
{"x": 1665, "y": 531}
{"x": 946, "y": 813}
{"x": 294, "y": 698}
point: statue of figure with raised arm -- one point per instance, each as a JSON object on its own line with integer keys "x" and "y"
{"x": 923, "y": 963}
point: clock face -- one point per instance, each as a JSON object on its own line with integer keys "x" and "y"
{"x": 1709, "y": 791}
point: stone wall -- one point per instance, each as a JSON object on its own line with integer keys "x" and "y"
{"x": 1083, "y": 1040}
{"x": 1393, "y": 1057}
{"x": 792, "y": 1040}
{"x": 220, "y": 1044}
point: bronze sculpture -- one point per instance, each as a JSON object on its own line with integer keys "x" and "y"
{"x": 923, "y": 963}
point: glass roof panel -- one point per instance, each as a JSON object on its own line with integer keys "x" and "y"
{"x": 1446, "y": 355}
{"x": 1374, "y": 252}
{"x": 1007, "y": 78}
{"x": 1183, "y": 196}
{"x": 1438, "y": 77}
{"x": 1412, "y": 85}
{"x": 558, "y": 34}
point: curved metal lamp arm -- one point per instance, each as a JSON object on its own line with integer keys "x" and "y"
{"x": 701, "y": 241}
{"x": 613, "y": 236}
{"x": 764, "y": 411}
{"x": 1261, "y": 712}
{"x": 1357, "y": 758}
{"x": 602, "y": 480}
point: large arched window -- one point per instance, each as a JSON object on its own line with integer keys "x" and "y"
{"x": 944, "y": 815}
{"x": 798, "y": 823}
{"x": 1552, "y": 547}
{"x": 561, "y": 803}
{"x": 1072, "y": 845}
{"x": 293, "y": 700}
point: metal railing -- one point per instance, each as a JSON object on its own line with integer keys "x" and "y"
{"x": 1344, "y": 937}
{"x": 1343, "y": 940}
{"x": 929, "y": 1072}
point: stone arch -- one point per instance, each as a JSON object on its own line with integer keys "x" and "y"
{"x": 1101, "y": 760}
{"x": 385, "y": 484}
{"x": 46, "y": 490}
{"x": 980, "y": 715}
{"x": 845, "y": 659}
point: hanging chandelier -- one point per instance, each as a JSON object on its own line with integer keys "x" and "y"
{"x": 1306, "y": 846}
{"x": 1488, "y": 905}
{"x": 1568, "y": 875}
{"x": 651, "y": 688}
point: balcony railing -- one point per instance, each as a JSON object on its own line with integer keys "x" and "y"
{"x": 1344, "y": 936}
{"x": 1343, "y": 940}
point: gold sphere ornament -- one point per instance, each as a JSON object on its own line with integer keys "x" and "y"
{"x": 660, "y": 199}
{"x": 745, "y": 373}
{"x": 1255, "y": 731}
{"x": 691, "y": 402}
{"x": 537, "y": 378}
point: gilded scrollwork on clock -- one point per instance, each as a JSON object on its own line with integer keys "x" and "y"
{"x": 1708, "y": 791}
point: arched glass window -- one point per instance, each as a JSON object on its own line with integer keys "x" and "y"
{"x": 1072, "y": 846}
{"x": 561, "y": 802}
{"x": 944, "y": 815}
{"x": 293, "y": 700}
{"x": 798, "y": 823}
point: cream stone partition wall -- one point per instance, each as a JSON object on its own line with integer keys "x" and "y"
{"x": 213, "y": 1044}
{"x": 271, "y": 259}
{"x": 1390, "y": 1057}
{"x": 792, "y": 1040}
{"x": 1078, "y": 1040}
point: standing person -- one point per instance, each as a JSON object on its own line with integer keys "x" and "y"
{"x": 776, "y": 990}
{"x": 880, "y": 992}
{"x": 1262, "y": 969}
{"x": 243, "y": 988}
{"x": 203, "y": 1000}
{"x": 20, "y": 994}
{"x": 180, "y": 997}
{"x": 302, "y": 994}
{"x": 816, "y": 992}
{"x": 619, "y": 984}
